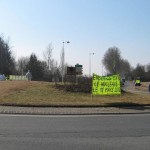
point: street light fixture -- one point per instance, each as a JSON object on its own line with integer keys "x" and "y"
{"x": 63, "y": 59}
{"x": 90, "y": 63}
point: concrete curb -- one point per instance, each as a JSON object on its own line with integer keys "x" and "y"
{"x": 74, "y": 110}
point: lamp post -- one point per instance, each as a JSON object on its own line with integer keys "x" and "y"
{"x": 90, "y": 63}
{"x": 63, "y": 59}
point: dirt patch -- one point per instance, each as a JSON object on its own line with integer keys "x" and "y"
{"x": 7, "y": 87}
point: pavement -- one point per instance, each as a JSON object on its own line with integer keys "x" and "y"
{"x": 74, "y": 110}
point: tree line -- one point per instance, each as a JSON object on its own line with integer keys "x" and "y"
{"x": 50, "y": 70}
{"x": 116, "y": 64}
{"x": 47, "y": 70}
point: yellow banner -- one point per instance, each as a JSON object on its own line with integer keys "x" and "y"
{"x": 15, "y": 77}
{"x": 106, "y": 85}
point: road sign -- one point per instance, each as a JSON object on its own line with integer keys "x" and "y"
{"x": 77, "y": 65}
{"x": 71, "y": 71}
{"x": 79, "y": 69}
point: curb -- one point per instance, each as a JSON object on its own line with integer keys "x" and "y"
{"x": 74, "y": 114}
{"x": 74, "y": 110}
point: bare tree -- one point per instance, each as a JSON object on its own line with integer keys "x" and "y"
{"x": 112, "y": 59}
{"x": 125, "y": 67}
{"x": 22, "y": 64}
{"x": 114, "y": 63}
{"x": 48, "y": 56}
{"x": 52, "y": 65}
{"x": 147, "y": 68}
{"x": 139, "y": 71}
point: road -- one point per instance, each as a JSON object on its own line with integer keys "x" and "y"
{"x": 130, "y": 87}
{"x": 107, "y": 132}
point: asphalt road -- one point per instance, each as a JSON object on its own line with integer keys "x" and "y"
{"x": 113, "y": 132}
{"x": 130, "y": 87}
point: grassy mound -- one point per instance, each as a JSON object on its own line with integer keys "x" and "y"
{"x": 44, "y": 94}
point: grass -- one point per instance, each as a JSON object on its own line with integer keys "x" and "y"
{"x": 44, "y": 94}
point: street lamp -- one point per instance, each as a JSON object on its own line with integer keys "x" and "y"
{"x": 63, "y": 59}
{"x": 90, "y": 63}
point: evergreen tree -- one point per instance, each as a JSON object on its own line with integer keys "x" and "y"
{"x": 7, "y": 62}
{"x": 36, "y": 67}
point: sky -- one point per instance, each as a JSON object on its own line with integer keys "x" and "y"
{"x": 91, "y": 26}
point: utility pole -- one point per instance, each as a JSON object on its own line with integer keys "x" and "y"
{"x": 63, "y": 60}
{"x": 90, "y": 63}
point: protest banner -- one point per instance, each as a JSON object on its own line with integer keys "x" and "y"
{"x": 17, "y": 77}
{"x": 106, "y": 85}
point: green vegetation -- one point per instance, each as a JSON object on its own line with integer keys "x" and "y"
{"x": 45, "y": 94}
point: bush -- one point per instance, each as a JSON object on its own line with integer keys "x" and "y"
{"x": 73, "y": 84}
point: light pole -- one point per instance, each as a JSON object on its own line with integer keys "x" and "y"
{"x": 90, "y": 63}
{"x": 63, "y": 59}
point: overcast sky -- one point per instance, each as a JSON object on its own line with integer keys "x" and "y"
{"x": 89, "y": 25}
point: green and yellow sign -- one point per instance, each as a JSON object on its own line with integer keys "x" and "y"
{"x": 106, "y": 85}
{"x": 15, "y": 77}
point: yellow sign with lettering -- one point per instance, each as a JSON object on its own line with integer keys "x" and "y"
{"x": 106, "y": 85}
{"x": 15, "y": 77}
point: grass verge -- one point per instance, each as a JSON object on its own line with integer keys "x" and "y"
{"x": 24, "y": 93}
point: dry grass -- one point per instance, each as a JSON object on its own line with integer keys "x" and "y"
{"x": 43, "y": 93}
